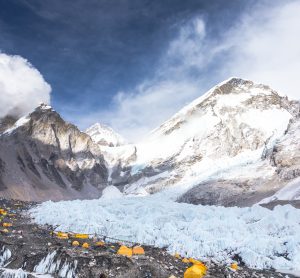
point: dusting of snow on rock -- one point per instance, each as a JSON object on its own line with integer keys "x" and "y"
{"x": 68, "y": 270}
{"x": 14, "y": 273}
{"x": 262, "y": 238}
{"x": 17, "y": 124}
{"x": 5, "y": 255}
{"x": 48, "y": 264}
{"x": 104, "y": 135}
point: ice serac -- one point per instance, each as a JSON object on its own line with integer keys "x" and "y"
{"x": 223, "y": 148}
{"x": 43, "y": 157}
{"x": 104, "y": 135}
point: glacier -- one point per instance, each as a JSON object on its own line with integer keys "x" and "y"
{"x": 263, "y": 238}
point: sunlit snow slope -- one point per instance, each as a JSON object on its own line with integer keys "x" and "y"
{"x": 222, "y": 146}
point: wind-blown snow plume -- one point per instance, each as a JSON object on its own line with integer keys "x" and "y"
{"x": 22, "y": 87}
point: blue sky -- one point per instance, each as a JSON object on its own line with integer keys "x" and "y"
{"x": 133, "y": 63}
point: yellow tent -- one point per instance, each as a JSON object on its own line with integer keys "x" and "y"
{"x": 85, "y": 245}
{"x": 193, "y": 261}
{"x": 62, "y": 235}
{"x": 99, "y": 243}
{"x": 75, "y": 243}
{"x": 125, "y": 251}
{"x": 195, "y": 271}
{"x": 81, "y": 236}
{"x": 138, "y": 250}
{"x": 3, "y": 212}
{"x": 234, "y": 266}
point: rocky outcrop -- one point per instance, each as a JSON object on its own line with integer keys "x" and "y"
{"x": 285, "y": 155}
{"x": 47, "y": 158}
{"x": 6, "y": 123}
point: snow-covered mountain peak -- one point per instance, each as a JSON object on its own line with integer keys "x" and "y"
{"x": 228, "y": 100}
{"x": 229, "y": 133}
{"x": 104, "y": 135}
{"x": 233, "y": 117}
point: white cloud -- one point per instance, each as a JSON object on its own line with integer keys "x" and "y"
{"x": 135, "y": 113}
{"x": 263, "y": 45}
{"x": 22, "y": 87}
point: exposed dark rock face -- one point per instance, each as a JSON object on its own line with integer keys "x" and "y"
{"x": 7, "y": 122}
{"x": 285, "y": 155}
{"x": 47, "y": 158}
{"x": 2, "y": 170}
{"x": 227, "y": 193}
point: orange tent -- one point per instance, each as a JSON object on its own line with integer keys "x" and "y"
{"x": 125, "y": 251}
{"x": 195, "y": 271}
{"x": 138, "y": 250}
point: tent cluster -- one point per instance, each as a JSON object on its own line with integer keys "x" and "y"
{"x": 197, "y": 269}
{"x": 63, "y": 235}
{"x": 123, "y": 250}
{"x": 129, "y": 252}
{"x": 5, "y": 216}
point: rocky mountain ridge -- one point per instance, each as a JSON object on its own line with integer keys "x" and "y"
{"x": 235, "y": 145}
{"x": 43, "y": 157}
{"x": 222, "y": 146}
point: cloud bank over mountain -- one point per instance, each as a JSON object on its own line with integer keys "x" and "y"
{"x": 22, "y": 87}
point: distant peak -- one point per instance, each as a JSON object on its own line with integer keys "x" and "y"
{"x": 99, "y": 126}
{"x": 105, "y": 135}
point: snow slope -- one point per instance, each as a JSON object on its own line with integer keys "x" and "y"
{"x": 263, "y": 238}
{"x": 226, "y": 135}
{"x": 234, "y": 116}
{"x": 104, "y": 135}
